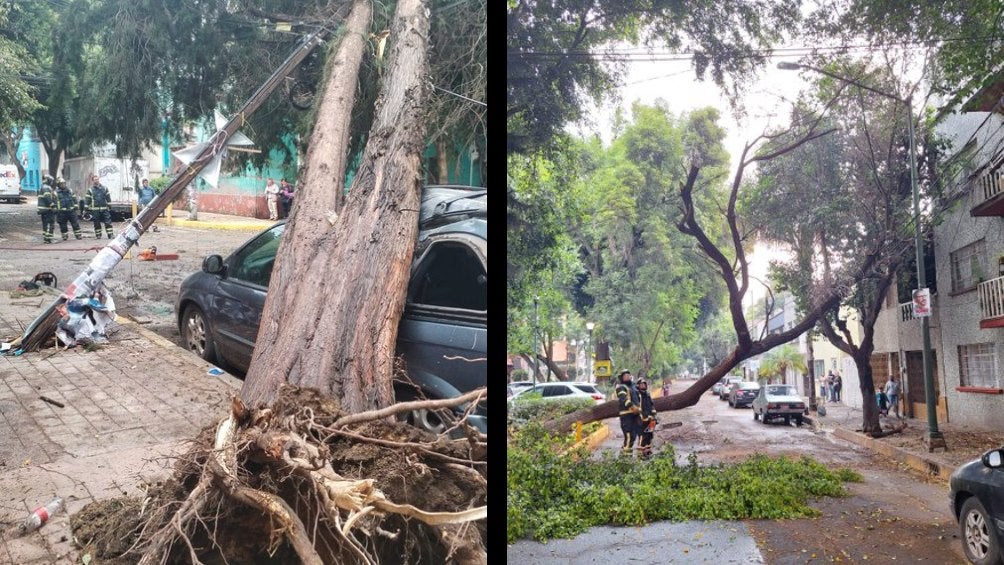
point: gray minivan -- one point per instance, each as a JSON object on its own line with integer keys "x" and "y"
{"x": 443, "y": 332}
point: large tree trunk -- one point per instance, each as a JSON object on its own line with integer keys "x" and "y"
{"x": 553, "y": 367}
{"x": 336, "y": 296}
{"x": 869, "y": 408}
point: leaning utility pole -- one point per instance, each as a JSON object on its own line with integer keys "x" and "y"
{"x": 88, "y": 281}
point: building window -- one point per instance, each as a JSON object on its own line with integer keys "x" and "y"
{"x": 978, "y": 365}
{"x": 969, "y": 266}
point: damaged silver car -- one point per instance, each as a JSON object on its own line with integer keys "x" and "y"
{"x": 442, "y": 336}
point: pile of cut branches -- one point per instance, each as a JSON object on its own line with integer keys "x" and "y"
{"x": 302, "y": 481}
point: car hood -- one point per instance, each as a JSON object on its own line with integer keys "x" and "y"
{"x": 968, "y": 472}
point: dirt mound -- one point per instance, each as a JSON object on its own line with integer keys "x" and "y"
{"x": 304, "y": 482}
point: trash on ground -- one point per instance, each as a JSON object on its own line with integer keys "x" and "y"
{"x": 215, "y": 371}
{"x": 51, "y": 401}
{"x": 84, "y": 319}
{"x": 41, "y": 515}
{"x": 150, "y": 254}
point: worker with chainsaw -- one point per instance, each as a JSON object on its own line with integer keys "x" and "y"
{"x": 47, "y": 208}
{"x": 97, "y": 201}
{"x": 629, "y": 405}
{"x": 66, "y": 209}
{"x": 647, "y": 419}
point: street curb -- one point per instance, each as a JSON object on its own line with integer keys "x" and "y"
{"x": 593, "y": 440}
{"x": 165, "y": 343}
{"x": 235, "y": 226}
{"x": 922, "y": 464}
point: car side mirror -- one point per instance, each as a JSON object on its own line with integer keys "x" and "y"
{"x": 994, "y": 459}
{"x": 213, "y": 265}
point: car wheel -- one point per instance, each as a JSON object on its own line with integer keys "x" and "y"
{"x": 787, "y": 420}
{"x": 196, "y": 335}
{"x": 798, "y": 421}
{"x": 978, "y": 540}
{"x": 427, "y": 420}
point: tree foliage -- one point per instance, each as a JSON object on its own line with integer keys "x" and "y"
{"x": 559, "y": 58}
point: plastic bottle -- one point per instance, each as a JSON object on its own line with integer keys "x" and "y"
{"x": 41, "y": 515}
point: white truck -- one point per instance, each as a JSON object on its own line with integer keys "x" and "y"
{"x": 121, "y": 176}
{"x": 10, "y": 184}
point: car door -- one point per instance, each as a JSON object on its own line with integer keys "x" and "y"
{"x": 240, "y": 296}
{"x": 443, "y": 336}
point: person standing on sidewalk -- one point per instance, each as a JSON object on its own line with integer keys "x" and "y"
{"x": 272, "y": 198}
{"x": 838, "y": 385}
{"x": 629, "y": 402}
{"x": 892, "y": 391}
{"x": 97, "y": 200}
{"x": 66, "y": 209}
{"x": 647, "y": 418}
{"x": 286, "y": 197}
{"x": 47, "y": 208}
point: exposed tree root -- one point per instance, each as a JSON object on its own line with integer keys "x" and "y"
{"x": 297, "y": 482}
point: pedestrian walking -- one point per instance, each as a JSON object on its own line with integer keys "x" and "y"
{"x": 47, "y": 208}
{"x": 665, "y": 387}
{"x": 892, "y": 388}
{"x": 286, "y": 197}
{"x": 96, "y": 201}
{"x": 272, "y": 198}
{"x": 629, "y": 404}
{"x": 647, "y": 419}
{"x": 882, "y": 400}
{"x": 66, "y": 209}
{"x": 838, "y": 386}
{"x": 146, "y": 194}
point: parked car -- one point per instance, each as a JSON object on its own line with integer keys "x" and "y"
{"x": 723, "y": 392}
{"x": 743, "y": 393}
{"x": 557, "y": 391}
{"x": 443, "y": 326}
{"x": 517, "y": 386}
{"x": 716, "y": 389}
{"x": 977, "y": 501}
{"x": 779, "y": 401}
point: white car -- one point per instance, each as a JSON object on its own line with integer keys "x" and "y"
{"x": 556, "y": 391}
{"x": 779, "y": 401}
{"x": 726, "y": 388}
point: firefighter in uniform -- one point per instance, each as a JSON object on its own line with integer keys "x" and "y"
{"x": 630, "y": 406}
{"x": 47, "y": 208}
{"x": 66, "y": 209}
{"x": 647, "y": 418}
{"x": 97, "y": 200}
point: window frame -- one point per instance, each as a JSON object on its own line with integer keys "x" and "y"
{"x": 970, "y": 255}
{"x": 991, "y": 378}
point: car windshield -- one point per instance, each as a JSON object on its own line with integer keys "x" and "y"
{"x": 782, "y": 390}
{"x": 749, "y": 386}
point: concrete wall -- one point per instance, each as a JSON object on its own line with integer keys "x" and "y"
{"x": 960, "y": 312}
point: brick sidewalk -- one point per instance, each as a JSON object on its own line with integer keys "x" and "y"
{"x": 126, "y": 406}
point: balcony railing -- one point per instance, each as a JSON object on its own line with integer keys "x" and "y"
{"x": 906, "y": 309}
{"x": 991, "y": 298}
{"x": 991, "y": 184}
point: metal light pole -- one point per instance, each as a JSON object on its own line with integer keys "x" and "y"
{"x": 589, "y": 351}
{"x": 933, "y": 438}
{"x": 536, "y": 331}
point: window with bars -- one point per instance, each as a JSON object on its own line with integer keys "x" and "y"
{"x": 978, "y": 365}
{"x": 969, "y": 266}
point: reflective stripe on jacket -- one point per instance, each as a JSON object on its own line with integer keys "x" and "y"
{"x": 65, "y": 200}
{"x": 98, "y": 197}
{"x": 627, "y": 398}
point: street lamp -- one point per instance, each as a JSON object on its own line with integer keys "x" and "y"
{"x": 589, "y": 350}
{"x": 933, "y": 438}
{"x": 536, "y": 331}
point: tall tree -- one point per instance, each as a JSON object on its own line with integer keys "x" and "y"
{"x": 849, "y": 192}
{"x": 360, "y": 266}
{"x": 16, "y": 101}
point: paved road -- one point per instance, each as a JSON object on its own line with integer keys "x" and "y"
{"x": 894, "y": 516}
